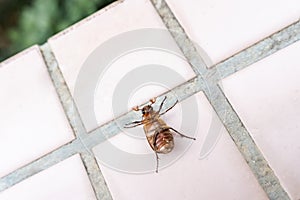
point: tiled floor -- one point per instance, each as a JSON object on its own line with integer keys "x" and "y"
{"x": 95, "y": 32}
{"x": 33, "y": 122}
{"x": 106, "y": 77}
{"x": 223, "y": 170}
{"x": 266, "y": 96}
{"x": 223, "y": 28}
{"x": 65, "y": 180}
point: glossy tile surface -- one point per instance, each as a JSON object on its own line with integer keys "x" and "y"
{"x": 266, "y": 96}
{"x": 65, "y": 180}
{"x": 223, "y": 28}
{"x": 220, "y": 173}
{"x": 107, "y": 48}
{"x": 32, "y": 120}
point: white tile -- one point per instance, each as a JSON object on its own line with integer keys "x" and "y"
{"x": 65, "y": 180}
{"x": 32, "y": 120}
{"x": 222, "y": 174}
{"x": 75, "y": 47}
{"x": 72, "y": 47}
{"x": 266, "y": 96}
{"x": 223, "y": 28}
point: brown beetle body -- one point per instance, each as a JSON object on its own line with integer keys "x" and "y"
{"x": 158, "y": 133}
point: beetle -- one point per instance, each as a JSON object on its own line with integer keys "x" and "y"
{"x": 158, "y": 133}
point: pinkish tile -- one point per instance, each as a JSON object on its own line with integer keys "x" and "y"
{"x": 32, "y": 119}
{"x": 121, "y": 57}
{"x": 222, "y": 28}
{"x": 222, "y": 174}
{"x": 65, "y": 180}
{"x": 266, "y": 96}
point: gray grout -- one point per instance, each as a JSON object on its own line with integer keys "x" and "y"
{"x": 178, "y": 33}
{"x": 39, "y": 165}
{"x": 260, "y": 50}
{"x": 246, "y": 145}
{"x": 63, "y": 92}
{"x": 98, "y": 182}
{"x": 94, "y": 173}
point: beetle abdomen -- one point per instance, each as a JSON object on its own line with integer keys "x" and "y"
{"x": 164, "y": 142}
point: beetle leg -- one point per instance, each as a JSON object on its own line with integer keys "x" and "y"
{"x": 161, "y": 104}
{"x": 134, "y": 124}
{"x": 157, "y": 158}
{"x": 182, "y": 135}
{"x": 169, "y": 108}
{"x": 155, "y": 150}
{"x": 137, "y": 123}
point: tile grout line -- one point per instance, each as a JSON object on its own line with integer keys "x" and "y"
{"x": 246, "y": 145}
{"x": 179, "y": 35}
{"x": 62, "y": 91}
{"x": 96, "y": 178}
{"x": 239, "y": 134}
{"x": 40, "y": 164}
{"x": 260, "y": 50}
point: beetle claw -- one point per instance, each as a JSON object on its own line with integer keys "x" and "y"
{"x": 153, "y": 100}
{"x": 136, "y": 108}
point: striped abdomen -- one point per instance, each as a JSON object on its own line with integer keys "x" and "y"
{"x": 159, "y": 136}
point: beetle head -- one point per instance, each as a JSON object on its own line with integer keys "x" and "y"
{"x": 147, "y": 109}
